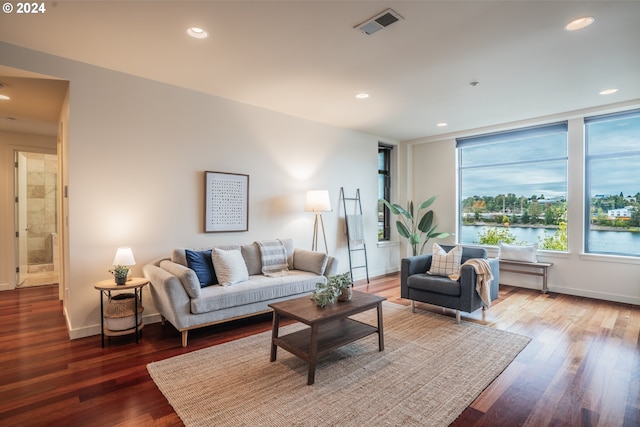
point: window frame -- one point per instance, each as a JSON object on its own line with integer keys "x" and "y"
{"x": 589, "y": 158}
{"x": 385, "y": 150}
{"x": 505, "y": 137}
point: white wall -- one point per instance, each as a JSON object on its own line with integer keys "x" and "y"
{"x": 136, "y": 151}
{"x": 9, "y": 143}
{"x": 433, "y": 162}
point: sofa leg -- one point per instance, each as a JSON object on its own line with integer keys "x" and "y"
{"x": 162, "y": 320}
{"x": 184, "y": 338}
{"x": 458, "y": 316}
{"x": 413, "y": 306}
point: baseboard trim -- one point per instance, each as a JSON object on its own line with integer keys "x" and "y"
{"x": 6, "y": 287}
{"x": 362, "y": 275}
{"x": 626, "y": 299}
{"x": 91, "y": 330}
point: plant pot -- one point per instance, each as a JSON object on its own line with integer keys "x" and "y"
{"x": 346, "y": 294}
{"x": 120, "y": 280}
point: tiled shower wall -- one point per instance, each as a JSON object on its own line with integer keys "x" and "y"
{"x": 41, "y": 206}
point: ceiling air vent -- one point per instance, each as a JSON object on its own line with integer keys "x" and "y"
{"x": 379, "y": 21}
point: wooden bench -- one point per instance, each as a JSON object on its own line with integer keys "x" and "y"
{"x": 531, "y": 268}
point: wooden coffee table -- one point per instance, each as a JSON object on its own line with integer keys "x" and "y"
{"x": 330, "y": 327}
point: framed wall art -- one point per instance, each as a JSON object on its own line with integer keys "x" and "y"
{"x": 226, "y": 202}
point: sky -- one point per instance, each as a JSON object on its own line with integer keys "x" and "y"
{"x": 537, "y": 166}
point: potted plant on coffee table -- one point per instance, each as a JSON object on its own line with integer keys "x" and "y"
{"x": 338, "y": 287}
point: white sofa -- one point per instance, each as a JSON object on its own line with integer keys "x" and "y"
{"x": 189, "y": 295}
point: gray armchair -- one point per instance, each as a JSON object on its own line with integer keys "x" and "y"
{"x": 460, "y": 295}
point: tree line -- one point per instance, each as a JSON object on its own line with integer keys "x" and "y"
{"x": 539, "y": 210}
{"x": 512, "y": 209}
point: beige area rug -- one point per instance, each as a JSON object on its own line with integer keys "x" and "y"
{"x": 430, "y": 370}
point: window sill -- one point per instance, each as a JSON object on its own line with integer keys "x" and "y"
{"x": 621, "y": 259}
{"x": 388, "y": 243}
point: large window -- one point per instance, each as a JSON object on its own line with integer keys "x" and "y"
{"x": 612, "y": 144}
{"x": 384, "y": 190}
{"x": 513, "y": 187}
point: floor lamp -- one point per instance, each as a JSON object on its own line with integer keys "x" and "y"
{"x": 317, "y": 201}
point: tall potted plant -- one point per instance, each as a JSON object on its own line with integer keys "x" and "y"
{"x": 417, "y": 227}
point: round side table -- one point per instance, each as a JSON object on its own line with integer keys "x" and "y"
{"x": 106, "y": 287}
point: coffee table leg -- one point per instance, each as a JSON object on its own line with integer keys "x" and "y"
{"x": 313, "y": 355}
{"x": 380, "y": 328}
{"x": 274, "y": 335}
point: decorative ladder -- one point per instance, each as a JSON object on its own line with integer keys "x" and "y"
{"x": 355, "y": 233}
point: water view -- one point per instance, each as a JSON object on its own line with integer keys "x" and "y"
{"x": 622, "y": 242}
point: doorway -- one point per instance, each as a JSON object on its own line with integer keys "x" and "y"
{"x": 36, "y": 188}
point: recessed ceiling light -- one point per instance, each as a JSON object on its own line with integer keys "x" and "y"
{"x": 441, "y": 124}
{"x": 4, "y": 97}
{"x": 362, "y": 95}
{"x": 580, "y": 23}
{"x": 197, "y": 33}
{"x": 608, "y": 91}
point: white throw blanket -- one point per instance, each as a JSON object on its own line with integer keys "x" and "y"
{"x": 484, "y": 277}
{"x": 274, "y": 258}
{"x": 355, "y": 229}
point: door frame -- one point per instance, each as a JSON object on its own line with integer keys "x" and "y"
{"x": 19, "y": 192}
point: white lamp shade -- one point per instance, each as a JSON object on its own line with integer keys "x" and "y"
{"x": 124, "y": 256}
{"x": 317, "y": 201}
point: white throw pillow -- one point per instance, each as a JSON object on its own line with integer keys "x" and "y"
{"x": 229, "y": 266}
{"x": 445, "y": 263}
{"x": 524, "y": 253}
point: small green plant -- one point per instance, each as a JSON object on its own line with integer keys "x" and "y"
{"x": 328, "y": 293}
{"x": 120, "y": 273}
{"x": 417, "y": 227}
{"x": 341, "y": 281}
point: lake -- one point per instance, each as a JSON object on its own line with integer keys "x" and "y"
{"x": 621, "y": 242}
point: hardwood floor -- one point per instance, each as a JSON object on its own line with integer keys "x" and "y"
{"x": 582, "y": 367}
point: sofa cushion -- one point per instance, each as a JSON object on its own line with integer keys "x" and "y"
{"x": 251, "y": 255}
{"x": 288, "y": 246}
{"x": 200, "y": 262}
{"x": 187, "y": 277}
{"x": 179, "y": 256}
{"x": 445, "y": 263}
{"x": 524, "y": 253}
{"x": 311, "y": 261}
{"x": 257, "y": 288}
{"x": 436, "y": 284}
{"x": 229, "y": 266}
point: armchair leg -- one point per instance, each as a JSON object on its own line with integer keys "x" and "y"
{"x": 413, "y": 306}
{"x": 458, "y": 316}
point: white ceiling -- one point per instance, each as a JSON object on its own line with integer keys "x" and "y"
{"x": 304, "y": 58}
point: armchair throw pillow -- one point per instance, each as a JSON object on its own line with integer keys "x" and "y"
{"x": 445, "y": 263}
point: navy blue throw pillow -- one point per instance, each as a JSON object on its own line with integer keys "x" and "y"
{"x": 200, "y": 262}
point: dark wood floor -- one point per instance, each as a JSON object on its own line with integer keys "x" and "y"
{"x": 582, "y": 367}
